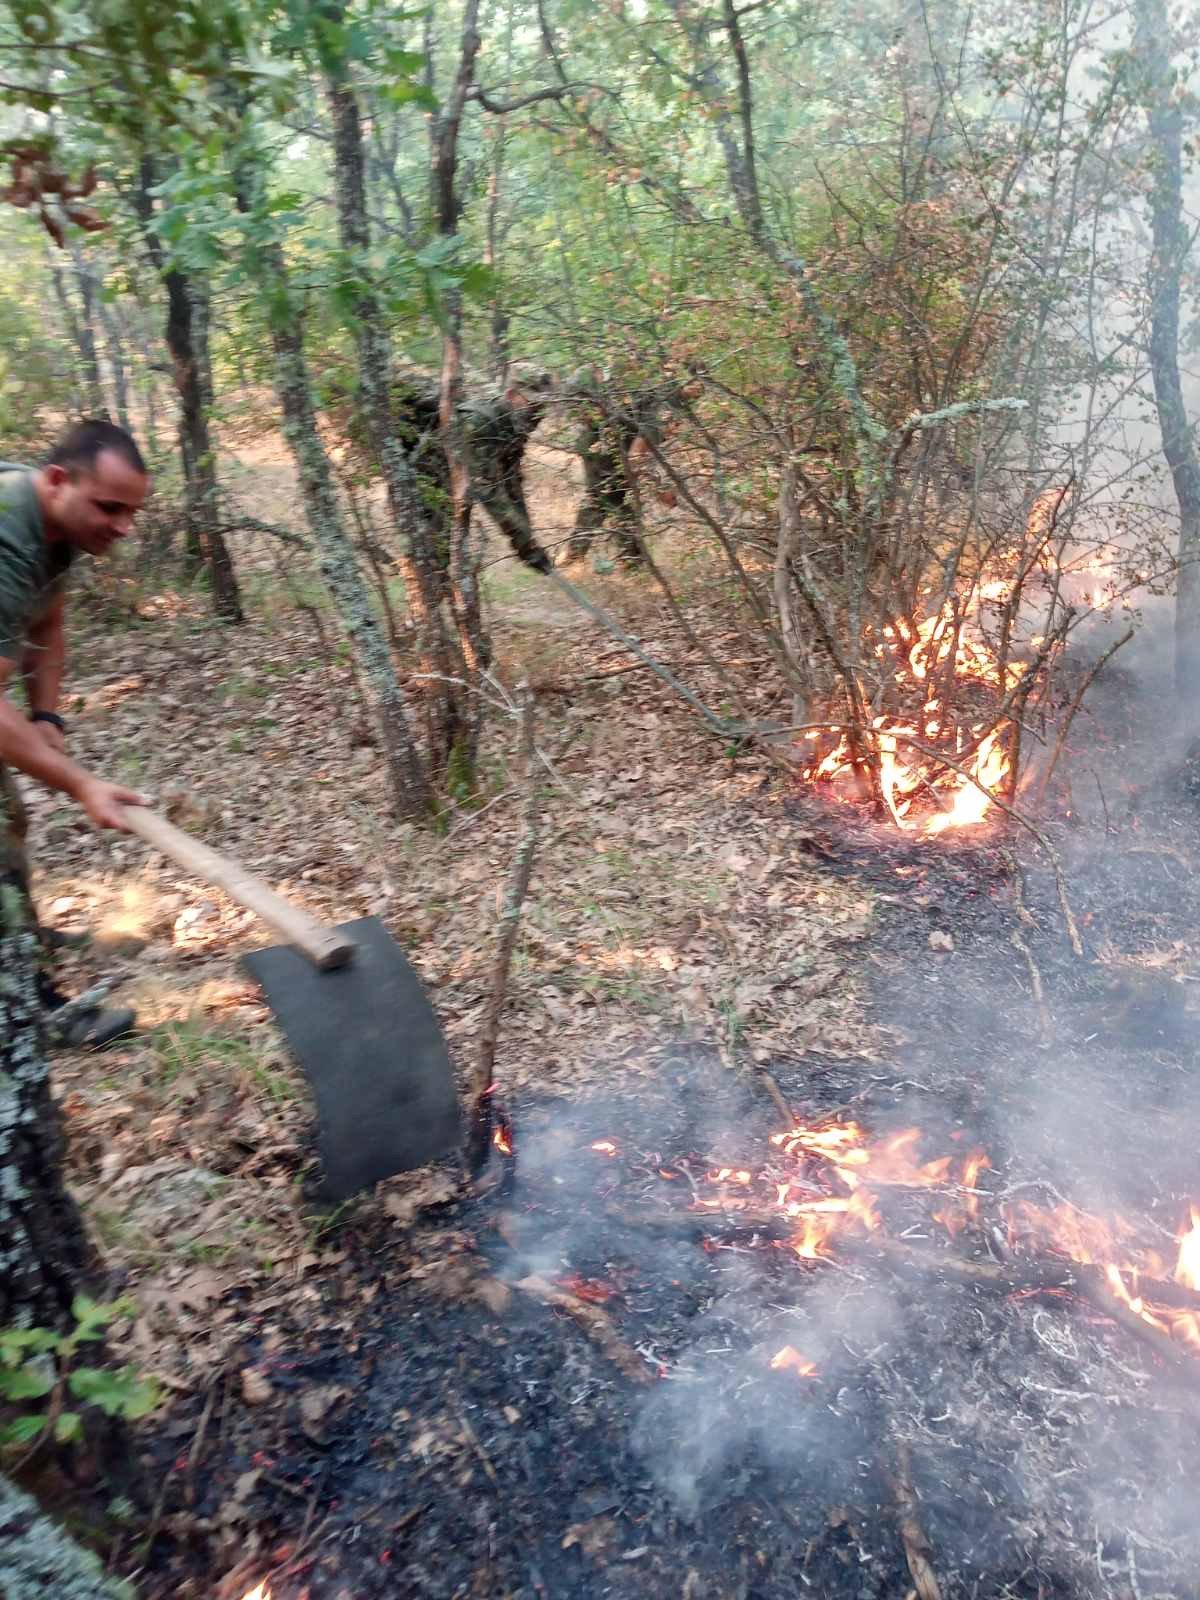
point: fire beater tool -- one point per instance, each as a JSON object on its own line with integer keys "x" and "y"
{"x": 355, "y": 1017}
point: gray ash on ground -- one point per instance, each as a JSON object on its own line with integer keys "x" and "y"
{"x": 490, "y": 1447}
{"x": 501, "y": 1452}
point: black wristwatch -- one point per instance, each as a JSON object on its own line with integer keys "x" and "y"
{"x": 52, "y": 717}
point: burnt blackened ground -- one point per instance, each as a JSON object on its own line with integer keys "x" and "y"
{"x": 483, "y": 1445}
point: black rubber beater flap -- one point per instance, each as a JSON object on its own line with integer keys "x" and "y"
{"x": 370, "y": 1045}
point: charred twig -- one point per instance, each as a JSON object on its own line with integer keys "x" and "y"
{"x": 1076, "y": 702}
{"x": 703, "y": 1223}
{"x": 1019, "y": 943}
{"x": 595, "y": 1323}
{"x": 1181, "y": 1365}
{"x": 473, "y": 1440}
{"x": 1108, "y": 828}
{"x": 479, "y": 1135}
{"x": 776, "y": 1096}
{"x": 1086, "y": 1280}
{"x": 197, "y": 1445}
{"x": 917, "y": 1548}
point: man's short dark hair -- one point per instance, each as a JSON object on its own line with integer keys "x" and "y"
{"x": 84, "y": 441}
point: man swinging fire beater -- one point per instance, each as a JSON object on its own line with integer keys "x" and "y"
{"x": 83, "y": 499}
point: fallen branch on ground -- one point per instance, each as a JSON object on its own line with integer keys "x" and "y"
{"x": 1089, "y": 1282}
{"x": 917, "y": 1548}
{"x": 594, "y": 1322}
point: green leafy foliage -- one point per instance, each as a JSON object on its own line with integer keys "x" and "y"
{"x": 36, "y": 1363}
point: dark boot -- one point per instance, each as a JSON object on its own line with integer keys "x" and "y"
{"x": 95, "y": 1029}
{"x": 90, "y": 1028}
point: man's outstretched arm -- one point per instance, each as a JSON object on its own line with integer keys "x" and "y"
{"x": 23, "y": 747}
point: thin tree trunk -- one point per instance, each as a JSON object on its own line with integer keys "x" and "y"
{"x": 464, "y": 556}
{"x": 1164, "y": 115}
{"x": 89, "y": 394}
{"x": 498, "y": 350}
{"x": 149, "y": 386}
{"x": 187, "y": 341}
{"x": 343, "y": 577}
{"x": 786, "y": 551}
{"x": 419, "y": 566}
{"x": 339, "y": 567}
{"x": 114, "y": 346}
{"x": 86, "y": 334}
{"x": 43, "y": 1250}
{"x": 482, "y": 1090}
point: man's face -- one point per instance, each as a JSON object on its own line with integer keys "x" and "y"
{"x": 93, "y": 508}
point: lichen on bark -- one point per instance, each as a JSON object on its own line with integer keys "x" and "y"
{"x": 43, "y": 1252}
{"x": 37, "y": 1559}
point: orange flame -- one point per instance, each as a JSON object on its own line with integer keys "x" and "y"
{"x": 948, "y": 641}
{"x": 789, "y": 1359}
{"x": 605, "y": 1146}
{"x": 259, "y": 1592}
{"x": 841, "y": 1153}
{"x": 504, "y": 1144}
{"x": 1187, "y": 1267}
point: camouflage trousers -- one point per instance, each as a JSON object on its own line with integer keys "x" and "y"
{"x": 14, "y": 857}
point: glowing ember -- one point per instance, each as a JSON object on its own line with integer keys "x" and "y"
{"x": 594, "y": 1290}
{"x": 605, "y": 1146}
{"x": 789, "y": 1359}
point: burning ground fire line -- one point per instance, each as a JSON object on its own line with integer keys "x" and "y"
{"x": 836, "y": 1197}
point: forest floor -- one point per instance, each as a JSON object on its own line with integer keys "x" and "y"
{"x": 667, "y": 908}
{"x": 381, "y": 1402}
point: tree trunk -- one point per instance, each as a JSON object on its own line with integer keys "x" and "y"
{"x": 91, "y": 399}
{"x": 786, "y": 551}
{"x": 419, "y": 564}
{"x": 464, "y": 551}
{"x": 1164, "y": 116}
{"x": 339, "y": 567}
{"x": 43, "y": 1249}
{"x": 40, "y": 1560}
{"x": 86, "y": 334}
{"x": 113, "y": 342}
{"x": 187, "y": 341}
{"x": 149, "y": 386}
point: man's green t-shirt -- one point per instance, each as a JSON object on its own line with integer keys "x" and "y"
{"x": 32, "y": 571}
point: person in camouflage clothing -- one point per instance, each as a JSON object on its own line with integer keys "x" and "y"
{"x": 83, "y": 499}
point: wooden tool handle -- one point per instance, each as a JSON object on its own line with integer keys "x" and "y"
{"x": 325, "y": 947}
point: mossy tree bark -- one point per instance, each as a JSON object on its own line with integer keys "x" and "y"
{"x": 419, "y": 563}
{"x": 38, "y": 1560}
{"x": 411, "y": 792}
{"x": 43, "y": 1249}
{"x": 1171, "y": 242}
